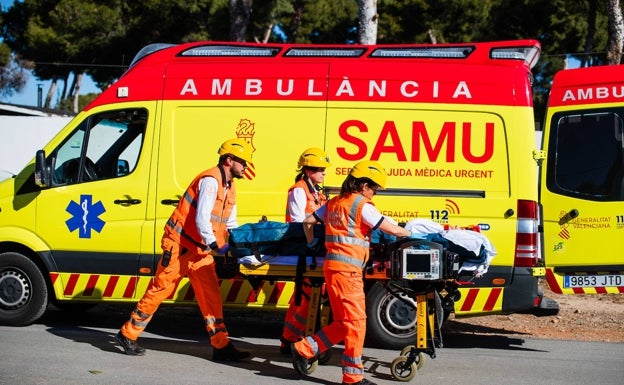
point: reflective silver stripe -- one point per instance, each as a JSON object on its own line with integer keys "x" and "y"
{"x": 140, "y": 314}
{"x": 345, "y": 259}
{"x": 218, "y": 219}
{"x": 187, "y": 197}
{"x": 352, "y": 214}
{"x": 352, "y": 360}
{"x": 217, "y": 330}
{"x": 293, "y": 329}
{"x": 139, "y": 324}
{"x": 352, "y": 370}
{"x": 314, "y": 344}
{"x": 172, "y": 225}
{"x": 347, "y": 240}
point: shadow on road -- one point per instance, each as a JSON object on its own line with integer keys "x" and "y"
{"x": 181, "y": 330}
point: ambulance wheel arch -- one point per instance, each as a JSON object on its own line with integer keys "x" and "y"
{"x": 23, "y": 290}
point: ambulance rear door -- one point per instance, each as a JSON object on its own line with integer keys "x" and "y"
{"x": 582, "y": 182}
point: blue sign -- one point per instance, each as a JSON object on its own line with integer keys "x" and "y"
{"x": 85, "y": 216}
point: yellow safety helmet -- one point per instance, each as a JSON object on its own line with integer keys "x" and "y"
{"x": 371, "y": 170}
{"x": 313, "y": 157}
{"x": 238, "y": 148}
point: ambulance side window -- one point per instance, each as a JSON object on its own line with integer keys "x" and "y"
{"x": 588, "y": 155}
{"x": 104, "y": 146}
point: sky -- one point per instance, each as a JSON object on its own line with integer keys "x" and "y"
{"x": 28, "y": 96}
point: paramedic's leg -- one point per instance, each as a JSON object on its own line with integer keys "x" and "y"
{"x": 296, "y": 318}
{"x": 346, "y": 297}
{"x": 203, "y": 276}
{"x": 160, "y": 288}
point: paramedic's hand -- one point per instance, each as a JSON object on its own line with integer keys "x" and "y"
{"x": 313, "y": 246}
{"x": 219, "y": 251}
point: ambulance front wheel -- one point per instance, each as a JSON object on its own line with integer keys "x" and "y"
{"x": 23, "y": 290}
{"x": 402, "y": 372}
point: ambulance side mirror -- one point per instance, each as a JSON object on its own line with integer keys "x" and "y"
{"x": 42, "y": 170}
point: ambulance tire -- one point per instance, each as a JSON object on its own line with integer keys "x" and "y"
{"x": 390, "y": 322}
{"x": 23, "y": 290}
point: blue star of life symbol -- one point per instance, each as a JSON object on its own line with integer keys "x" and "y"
{"x": 85, "y": 216}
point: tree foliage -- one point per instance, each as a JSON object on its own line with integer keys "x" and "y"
{"x": 100, "y": 37}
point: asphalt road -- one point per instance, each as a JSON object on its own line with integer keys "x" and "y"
{"x": 77, "y": 348}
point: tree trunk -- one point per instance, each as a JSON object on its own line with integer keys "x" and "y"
{"x": 591, "y": 31}
{"x": 51, "y": 91}
{"x": 616, "y": 32}
{"x": 240, "y": 12}
{"x": 76, "y": 94}
{"x": 296, "y": 21}
{"x": 367, "y": 20}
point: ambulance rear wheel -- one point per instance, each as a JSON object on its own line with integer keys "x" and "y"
{"x": 23, "y": 290}
{"x": 391, "y": 321}
{"x": 402, "y": 372}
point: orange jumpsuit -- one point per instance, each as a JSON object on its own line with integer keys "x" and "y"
{"x": 189, "y": 256}
{"x": 346, "y": 241}
{"x": 297, "y": 316}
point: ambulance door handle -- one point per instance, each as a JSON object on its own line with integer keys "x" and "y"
{"x": 568, "y": 217}
{"x": 169, "y": 201}
{"x": 127, "y": 202}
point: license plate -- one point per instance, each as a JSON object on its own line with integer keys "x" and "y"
{"x": 589, "y": 280}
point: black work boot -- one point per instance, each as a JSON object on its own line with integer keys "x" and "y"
{"x": 301, "y": 364}
{"x": 363, "y": 381}
{"x": 129, "y": 346}
{"x": 229, "y": 353}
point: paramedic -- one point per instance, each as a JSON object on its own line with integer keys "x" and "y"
{"x": 304, "y": 197}
{"x": 195, "y": 232}
{"x": 348, "y": 218}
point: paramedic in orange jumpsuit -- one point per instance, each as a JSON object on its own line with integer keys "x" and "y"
{"x": 304, "y": 197}
{"x": 196, "y": 231}
{"x": 349, "y": 218}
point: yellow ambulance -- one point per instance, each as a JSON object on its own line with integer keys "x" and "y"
{"x": 582, "y": 181}
{"x": 452, "y": 124}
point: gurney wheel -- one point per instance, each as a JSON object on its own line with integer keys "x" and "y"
{"x": 419, "y": 358}
{"x": 312, "y": 365}
{"x": 400, "y": 371}
{"x": 324, "y": 357}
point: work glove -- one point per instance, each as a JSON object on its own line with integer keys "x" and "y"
{"x": 216, "y": 250}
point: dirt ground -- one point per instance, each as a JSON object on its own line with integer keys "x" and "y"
{"x": 586, "y": 317}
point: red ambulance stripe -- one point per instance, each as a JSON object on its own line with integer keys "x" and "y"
{"x": 601, "y": 290}
{"x": 234, "y": 290}
{"x": 88, "y": 291}
{"x": 491, "y": 301}
{"x": 53, "y": 277}
{"x": 470, "y": 299}
{"x": 277, "y": 292}
{"x": 71, "y": 284}
{"x": 110, "y": 286}
{"x": 578, "y": 290}
{"x": 129, "y": 292}
{"x": 190, "y": 294}
{"x": 621, "y": 289}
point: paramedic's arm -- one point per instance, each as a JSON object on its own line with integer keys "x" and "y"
{"x": 311, "y": 220}
{"x": 205, "y": 202}
{"x": 373, "y": 217}
{"x": 232, "y": 222}
{"x": 296, "y": 204}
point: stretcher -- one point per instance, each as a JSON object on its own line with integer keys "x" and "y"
{"x": 426, "y": 269}
{"x": 297, "y": 267}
